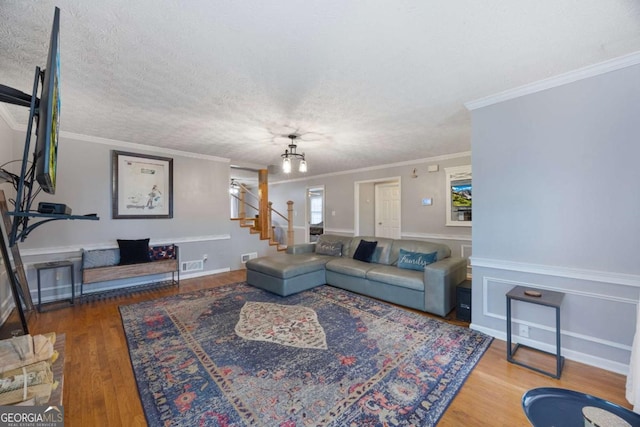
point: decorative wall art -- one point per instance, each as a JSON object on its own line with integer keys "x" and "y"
{"x": 459, "y": 186}
{"x": 142, "y": 186}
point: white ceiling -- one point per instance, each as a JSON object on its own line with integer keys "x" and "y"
{"x": 362, "y": 83}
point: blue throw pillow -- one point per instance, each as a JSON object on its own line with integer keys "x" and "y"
{"x": 415, "y": 260}
{"x": 365, "y": 251}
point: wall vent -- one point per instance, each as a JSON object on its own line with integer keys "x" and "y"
{"x": 246, "y": 257}
{"x": 187, "y": 266}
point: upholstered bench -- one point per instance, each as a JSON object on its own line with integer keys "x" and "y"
{"x": 133, "y": 258}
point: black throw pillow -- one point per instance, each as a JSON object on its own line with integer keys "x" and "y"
{"x": 365, "y": 251}
{"x": 134, "y": 251}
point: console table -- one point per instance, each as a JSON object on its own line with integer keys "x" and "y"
{"x": 547, "y": 298}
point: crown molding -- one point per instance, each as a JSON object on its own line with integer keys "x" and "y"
{"x": 559, "y": 80}
{"x": 142, "y": 147}
{"x": 386, "y": 166}
{"x": 124, "y": 144}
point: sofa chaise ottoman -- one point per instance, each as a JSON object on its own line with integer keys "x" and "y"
{"x": 413, "y": 273}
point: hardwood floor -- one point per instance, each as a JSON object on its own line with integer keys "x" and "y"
{"x": 100, "y": 390}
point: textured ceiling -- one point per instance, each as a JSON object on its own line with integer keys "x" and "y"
{"x": 362, "y": 83}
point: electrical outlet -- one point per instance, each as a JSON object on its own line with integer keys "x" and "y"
{"x": 524, "y": 331}
{"x": 205, "y": 257}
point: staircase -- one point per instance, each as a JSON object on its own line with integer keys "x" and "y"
{"x": 251, "y": 225}
{"x": 262, "y": 224}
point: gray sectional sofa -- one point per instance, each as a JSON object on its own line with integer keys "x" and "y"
{"x": 330, "y": 261}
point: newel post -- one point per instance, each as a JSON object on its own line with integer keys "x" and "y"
{"x": 269, "y": 218}
{"x": 263, "y": 192}
{"x": 242, "y": 212}
{"x": 290, "y": 223}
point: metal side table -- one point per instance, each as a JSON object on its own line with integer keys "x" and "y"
{"x": 547, "y": 298}
{"x": 56, "y": 265}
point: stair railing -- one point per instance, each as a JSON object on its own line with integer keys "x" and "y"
{"x": 243, "y": 203}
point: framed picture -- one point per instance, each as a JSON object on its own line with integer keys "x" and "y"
{"x": 458, "y": 192}
{"x": 142, "y": 186}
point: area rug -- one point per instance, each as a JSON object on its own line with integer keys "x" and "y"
{"x": 238, "y": 355}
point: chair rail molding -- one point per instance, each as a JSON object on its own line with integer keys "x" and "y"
{"x": 566, "y": 272}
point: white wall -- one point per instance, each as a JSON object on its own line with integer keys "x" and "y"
{"x": 6, "y": 154}
{"x": 556, "y": 207}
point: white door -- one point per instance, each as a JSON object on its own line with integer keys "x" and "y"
{"x": 388, "y": 210}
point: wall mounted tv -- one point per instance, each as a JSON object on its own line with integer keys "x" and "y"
{"x": 46, "y": 151}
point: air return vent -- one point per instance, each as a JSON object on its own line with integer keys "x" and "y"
{"x": 188, "y": 266}
{"x": 246, "y": 257}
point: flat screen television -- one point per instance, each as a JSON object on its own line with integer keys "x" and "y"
{"x": 46, "y": 152}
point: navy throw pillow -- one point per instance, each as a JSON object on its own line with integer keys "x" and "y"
{"x": 415, "y": 260}
{"x": 134, "y": 251}
{"x": 365, "y": 251}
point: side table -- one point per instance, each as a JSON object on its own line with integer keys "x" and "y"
{"x": 55, "y": 265}
{"x": 463, "y": 301}
{"x": 547, "y": 298}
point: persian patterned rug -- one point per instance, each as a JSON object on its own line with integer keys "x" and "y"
{"x": 238, "y": 355}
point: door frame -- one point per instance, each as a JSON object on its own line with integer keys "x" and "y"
{"x": 356, "y": 198}
{"x": 307, "y": 218}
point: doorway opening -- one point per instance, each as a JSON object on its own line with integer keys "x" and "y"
{"x": 377, "y": 208}
{"x": 315, "y": 213}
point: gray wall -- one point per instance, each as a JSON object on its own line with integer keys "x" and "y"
{"x": 200, "y": 223}
{"x": 556, "y": 207}
{"x": 417, "y": 221}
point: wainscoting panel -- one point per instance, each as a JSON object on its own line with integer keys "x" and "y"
{"x": 56, "y": 284}
{"x": 597, "y": 318}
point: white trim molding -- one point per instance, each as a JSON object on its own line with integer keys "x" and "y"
{"x": 340, "y": 231}
{"x": 566, "y": 272}
{"x": 587, "y": 359}
{"x": 386, "y": 166}
{"x": 111, "y": 245}
{"x": 559, "y": 80}
{"x": 431, "y": 236}
{"x": 488, "y": 282}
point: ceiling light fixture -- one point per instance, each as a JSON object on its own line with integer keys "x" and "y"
{"x": 233, "y": 187}
{"x": 291, "y": 153}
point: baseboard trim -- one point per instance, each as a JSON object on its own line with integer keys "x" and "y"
{"x": 576, "y": 356}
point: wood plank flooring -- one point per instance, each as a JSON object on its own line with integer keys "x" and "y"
{"x": 100, "y": 390}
